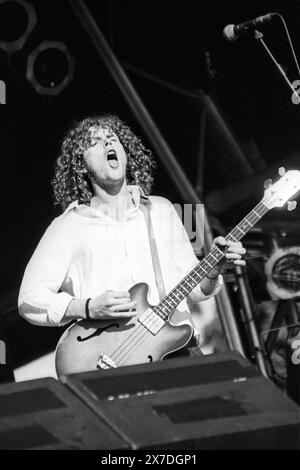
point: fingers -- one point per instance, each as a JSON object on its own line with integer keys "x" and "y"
{"x": 220, "y": 241}
{"x": 236, "y": 248}
{"x": 117, "y": 298}
{"x": 127, "y": 314}
{"x": 120, "y": 303}
{"x": 223, "y": 242}
{"x": 112, "y": 304}
{"x": 124, "y": 307}
{"x": 232, "y": 247}
{"x": 237, "y": 261}
{"x": 109, "y": 314}
{"x": 233, "y": 252}
{"x": 119, "y": 293}
{"x": 240, "y": 262}
{"x": 233, "y": 256}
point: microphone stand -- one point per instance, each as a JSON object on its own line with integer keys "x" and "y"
{"x": 258, "y": 35}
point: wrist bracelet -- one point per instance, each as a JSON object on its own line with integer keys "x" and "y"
{"x": 87, "y": 313}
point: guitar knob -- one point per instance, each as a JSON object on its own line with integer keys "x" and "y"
{"x": 291, "y": 205}
{"x": 281, "y": 171}
{"x": 268, "y": 183}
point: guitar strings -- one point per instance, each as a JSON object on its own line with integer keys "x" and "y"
{"x": 141, "y": 332}
{"x": 137, "y": 337}
{"x": 142, "y": 329}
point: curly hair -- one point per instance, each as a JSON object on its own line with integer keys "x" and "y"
{"x": 71, "y": 176}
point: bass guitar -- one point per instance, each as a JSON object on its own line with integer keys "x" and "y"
{"x": 155, "y": 331}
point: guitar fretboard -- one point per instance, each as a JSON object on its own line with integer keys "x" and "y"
{"x": 195, "y": 276}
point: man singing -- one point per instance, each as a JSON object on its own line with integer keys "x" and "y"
{"x": 98, "y": 248}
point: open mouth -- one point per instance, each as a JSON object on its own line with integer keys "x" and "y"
{"x": 112, "y": 158}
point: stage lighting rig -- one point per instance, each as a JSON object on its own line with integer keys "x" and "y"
{"x": 50, "y": 68}
{"x": 17, "y": 21}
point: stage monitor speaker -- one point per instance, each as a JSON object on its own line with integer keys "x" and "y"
{"x": 218, "y": 401}
{"x": 43, "y": 414}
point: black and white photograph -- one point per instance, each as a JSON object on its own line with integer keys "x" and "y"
{"x": 150, "y": 236}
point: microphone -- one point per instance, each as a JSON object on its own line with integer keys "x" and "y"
{"x": 232, "y": 32}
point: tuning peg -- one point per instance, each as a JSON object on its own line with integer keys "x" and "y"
{"x": 281, "y": 171}
{"x": 268, "y": 183}
{"x": 291, "y": 205}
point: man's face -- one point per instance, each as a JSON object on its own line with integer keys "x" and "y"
{"x": 106, "y": 158}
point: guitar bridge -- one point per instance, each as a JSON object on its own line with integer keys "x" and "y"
{"x": 151, "y": 321}
{"x": 104, "y": 362}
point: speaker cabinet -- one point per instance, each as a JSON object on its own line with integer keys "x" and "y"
{"x": 211, "y": 402}
{"x": 43, "y": 414}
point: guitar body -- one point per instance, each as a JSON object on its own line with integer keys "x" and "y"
{"x": 125, "y": 341}
{"x": 154, "y": 332}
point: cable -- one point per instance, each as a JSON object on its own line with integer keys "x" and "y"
{"x": 290, "y": 41}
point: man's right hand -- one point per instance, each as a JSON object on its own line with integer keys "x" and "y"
{"x": 112, "y": 304}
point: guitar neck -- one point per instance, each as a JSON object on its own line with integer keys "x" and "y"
{"x": 195, "y": 276}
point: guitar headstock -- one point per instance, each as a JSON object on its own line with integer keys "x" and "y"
{"x": 277, "y": 194}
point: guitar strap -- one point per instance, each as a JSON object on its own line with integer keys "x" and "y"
{"x": 145, "y": 207}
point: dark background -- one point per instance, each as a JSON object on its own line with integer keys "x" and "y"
{"x": 172, "y": 41}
